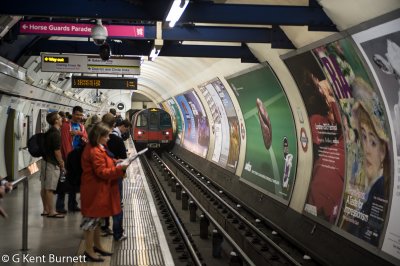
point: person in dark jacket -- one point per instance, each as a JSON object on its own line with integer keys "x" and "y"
{"x": 116, "y": 143}
{"x": 74, "y": 170}
{"x": 117, "y": 148}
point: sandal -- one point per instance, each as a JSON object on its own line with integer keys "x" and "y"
{"x": 57, "y": 215}
{"x": 44, "y": 214}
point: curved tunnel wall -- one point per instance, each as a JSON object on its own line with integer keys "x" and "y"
{"x": 219, "y": 104}
{"x": 344, "y": 122}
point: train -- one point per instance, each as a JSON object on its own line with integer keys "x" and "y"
{"x": 152, "y": 128}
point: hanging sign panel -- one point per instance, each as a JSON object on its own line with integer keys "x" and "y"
{"x": 84, "y": 30}
{"x": 89, "y": 64}
{"x": 104, "y": 83}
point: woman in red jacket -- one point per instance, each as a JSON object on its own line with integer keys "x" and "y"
{"x": 99, "y": 189}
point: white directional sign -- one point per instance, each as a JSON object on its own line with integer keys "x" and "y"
{"x": 89, "y": 64}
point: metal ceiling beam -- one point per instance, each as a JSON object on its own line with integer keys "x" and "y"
{"x": 217, "y": 34}
{"x": 127, "y": 47}
{"x": 279, "y": 40}
{"x": 275, "y": 35}
{"x": 143, "y": 48}
{"x": 179, "y": 50}
{"x": 154, "y": 10}
{"x": 208, "y": 12}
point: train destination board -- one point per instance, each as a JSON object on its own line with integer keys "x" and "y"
{"x": 90, "y": 64}
{"x": 104, "y": 83}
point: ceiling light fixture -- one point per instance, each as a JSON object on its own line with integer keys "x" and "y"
{"x": 176, "y": 11}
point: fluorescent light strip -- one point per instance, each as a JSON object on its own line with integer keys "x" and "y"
{"x": 153, "y": 54}
{"x": 176, "y": 12}
{"x": 211, "y": 43}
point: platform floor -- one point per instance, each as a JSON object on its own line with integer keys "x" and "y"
{"x": 51, "y": 241}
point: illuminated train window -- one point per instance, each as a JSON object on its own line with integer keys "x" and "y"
{"x": 165, "y": 120}
{"x": 141, "y": 121}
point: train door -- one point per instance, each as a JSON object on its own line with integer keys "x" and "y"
{"x": 24, "y": 157}
{"x": 154, "y": 128}
{"x": 141, "y": 128}
{"x": 166, "y": 131}
{"x": 11, "y": 143}
{"x": 3, "y": 122}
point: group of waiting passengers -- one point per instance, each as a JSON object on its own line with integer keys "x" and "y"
{"x": 101, "y": 148}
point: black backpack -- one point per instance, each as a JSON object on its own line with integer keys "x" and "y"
{"x": 37, "y": 145}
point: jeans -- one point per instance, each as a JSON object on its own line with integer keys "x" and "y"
{"x": 72, "y": 203}
{"x": 117, "y": 225}
{"x": 120, "y": 188}
{"x": 117, "y": 219}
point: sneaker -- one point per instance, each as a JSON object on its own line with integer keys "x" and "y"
{"x": 122, "y": 238}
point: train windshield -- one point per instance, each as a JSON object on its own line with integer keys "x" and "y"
{"x": 141, "y": 120}
{"x": 165, "y": 120}
{"x": 153, "y": 125}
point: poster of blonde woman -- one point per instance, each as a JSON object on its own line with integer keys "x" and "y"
{"x": 380, "y": 47}
{"x": 368, "y": 174}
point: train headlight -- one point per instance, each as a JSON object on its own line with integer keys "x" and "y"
{"x": 167, "y": 133}
{"x": 140, "y": 132}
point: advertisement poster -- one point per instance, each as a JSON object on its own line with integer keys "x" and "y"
{"x": 271, "y": 148}
{"x": 193, "y": 118}
{"x": 225, "y": 124}
{"x": 178, "y": 118}
{"x": 326, "y": 187}
{"x": 366, "y": 129}
{"x": 202, "y": 128}
{"x": 380, "y": 47}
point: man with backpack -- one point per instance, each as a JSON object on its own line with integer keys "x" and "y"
{"x": 73, "y": 136}
{"x": 52, "y": 165}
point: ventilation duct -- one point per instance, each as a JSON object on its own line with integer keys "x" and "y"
{"x": 37, "y": 67}
{"x": 6, "y": 23}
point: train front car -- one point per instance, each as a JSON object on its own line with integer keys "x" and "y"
{"x": 152, "y": 128}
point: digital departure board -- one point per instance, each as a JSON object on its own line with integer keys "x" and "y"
{"x": 104, "y": 83}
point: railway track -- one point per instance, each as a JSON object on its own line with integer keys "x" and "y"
{"x": 197, "y": 243}
{"x": 263, "y": 241}
{"x": 248, "y": 238}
